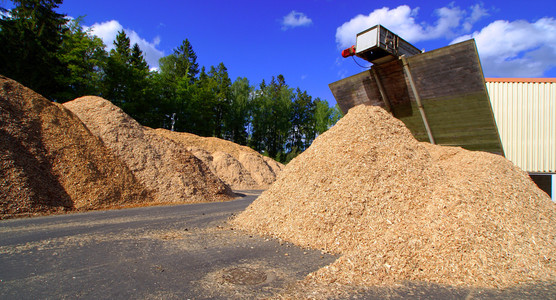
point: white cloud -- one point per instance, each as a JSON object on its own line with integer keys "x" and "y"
{"x": 5, "y": 14}
{"x": 295, "y": 19}
{"x": 401, "y": 20}
{"x": 151, "y": 54}
{"x": 477, "y": 13}
{"x": 516, "y": 49}
{"x": 342, "y": 73}
{"x": 108, "y": 31}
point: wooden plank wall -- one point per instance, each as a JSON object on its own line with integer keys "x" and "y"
{"x": 355, "y": 90}
{"x": 450, "y": 83}
{"x": 448, "y": 71}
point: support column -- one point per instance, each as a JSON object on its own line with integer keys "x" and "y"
{"x": 407, "y": 72}
{"x": 381, "y": 90}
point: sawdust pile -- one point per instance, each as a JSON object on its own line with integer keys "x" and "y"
{"x": 402, "y": 210}
{"x": 231, "y": 171}
{"x": 50, "y": 162}
{"x": 241, "y": 168}
{"x": 174, "y": 174}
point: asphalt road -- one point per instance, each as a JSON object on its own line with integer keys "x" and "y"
{"x": 176, "y": 252}
{"x": 165, "y": 252}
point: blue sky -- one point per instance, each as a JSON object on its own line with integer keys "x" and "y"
{"x": 302, "y": 39}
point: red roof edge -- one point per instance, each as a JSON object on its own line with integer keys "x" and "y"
{"x": 540, "y": 80}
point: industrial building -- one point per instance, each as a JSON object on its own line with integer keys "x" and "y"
{"x": 443, "y": 98}
{"x": 525, "y": 114}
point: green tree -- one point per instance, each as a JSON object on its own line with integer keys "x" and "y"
{"x": 271, "y": 118}
{"x": 200, "y": 110}
{"x": 118, "y": 71}
{"x": 222, "y": 100}
{"x": 31, "y": 37}
{"x": 84, "y": 56}
{"x": 126, "y": 79}
{"x": 258, "y": 113}
{"x": 302, "y": 121}
{"x": 325, "y": 116}
{"x": 183, "y": 62}
{"x": 138, "y": 104}
{"x": 178, "y": 85}
{"x": 238, "y": 117}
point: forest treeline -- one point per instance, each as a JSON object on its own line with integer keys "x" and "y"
{"x": 56, "y": 57}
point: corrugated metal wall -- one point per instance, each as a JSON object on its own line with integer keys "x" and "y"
{"x": 525, "y": 113}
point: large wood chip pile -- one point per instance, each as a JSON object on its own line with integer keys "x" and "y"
{"x": 402, "y": 210}
{"x": 241, "y": 167}
{"x": 174, "y": 174}
{"x": 50, "y": 162}
{"x": 231, "y": 171}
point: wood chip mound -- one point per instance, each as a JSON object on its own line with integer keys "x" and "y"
{"x": 241, "y": 168}
{"x": 172, "y": 173}
{"x": 402, "y": 210}
{"x": 50, "y": 162}
{"x": 231, "y": 171}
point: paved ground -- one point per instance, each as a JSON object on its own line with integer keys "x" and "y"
{"x": 168, "y": 252}
{"x": 175, "y": 252}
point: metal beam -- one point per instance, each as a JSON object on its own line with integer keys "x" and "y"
{"x": 407, "y": 72}
{"x": 381, "y": 90}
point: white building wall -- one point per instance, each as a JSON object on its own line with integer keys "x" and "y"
{"x": 525, "y": 114}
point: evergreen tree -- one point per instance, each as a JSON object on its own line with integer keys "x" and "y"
{"x": 271, "y": 117}
{"x": 117, "y": 71}
{"x": 122, "y": 46}
{"x": 200, "y": 113}
{"x": 183, "y": 62}
{"x": 222, "y": 101}
{"x": 84, "y": 56}
{"x": 238, "y": 117}
{"x": 178, "y": 78}
{"x": 126, "y": 79}
{"x": 31, "y": 37}
{"x": 137, "y": 60}
{"x": 301, "y": 120}
{"x": 138, "y": 104}
{"x": 188, "y": 58}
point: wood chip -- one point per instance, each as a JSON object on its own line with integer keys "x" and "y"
{"x": 166, "y": 168}
{"x": 50, "y": 162}
{"x": 397, "y": 209}
{"x": 239, "y": 166}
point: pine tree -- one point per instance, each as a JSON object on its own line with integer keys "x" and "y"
{"x": 237, "y": 119}
{"x": 126, "y": 80}
{"x": 301, "y": 131}
{"x": 84, "y": 56}
{"x": 117, "y": 72}
{"x": 179, "y": 86}
{"x": 181, "y": 63}
{"x": 31, "y": 37}
{"x": 222, "y": 91}
{"x": 188, "y": 59}
{"x": 137, "y": 60}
